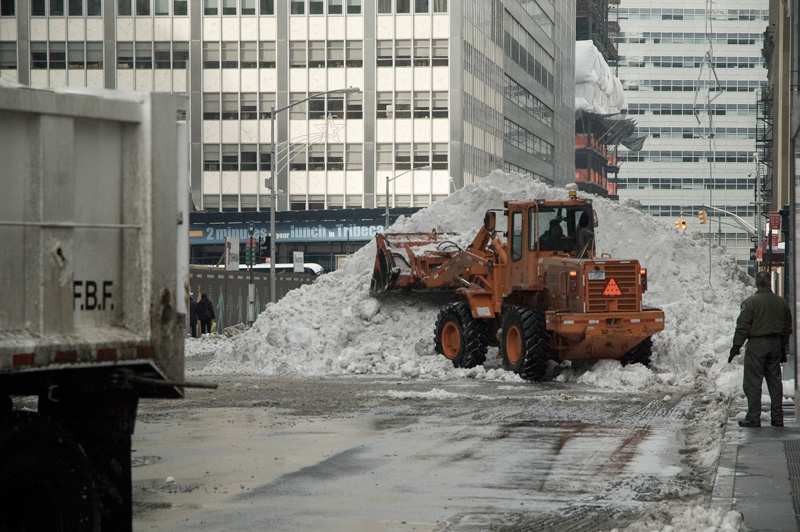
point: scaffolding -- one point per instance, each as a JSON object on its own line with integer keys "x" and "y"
{"x": 592, "y": 24}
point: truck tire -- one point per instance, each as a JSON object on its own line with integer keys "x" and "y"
{"x": 641, "y": 354}
{"x": 461, "y": 338}
{"x": 103, "y": 423}
{"x": 47, "y": 479}
{"x": 525, "y": 345}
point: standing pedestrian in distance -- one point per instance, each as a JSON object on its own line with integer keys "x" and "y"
{"x": 766, "y": 323}
{"x": 193, "y": 315}
{"x": 205, "y": 313}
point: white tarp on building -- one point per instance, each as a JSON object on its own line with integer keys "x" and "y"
{"x": 597, "y": 90}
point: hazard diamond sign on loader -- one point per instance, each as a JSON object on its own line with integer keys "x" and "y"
{"x": 612, "y": 289}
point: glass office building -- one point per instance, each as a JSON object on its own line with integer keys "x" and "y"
{"x": 461, "y": 87}
{"x": 693, "y": 74}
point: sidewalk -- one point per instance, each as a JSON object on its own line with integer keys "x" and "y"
{"x": 759, "y": 473}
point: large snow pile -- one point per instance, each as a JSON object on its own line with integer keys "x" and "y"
{"x": 335, "y": 326}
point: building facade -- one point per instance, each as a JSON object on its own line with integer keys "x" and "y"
{"x": 693, "y": 75}
{"x": 459, "y": 87}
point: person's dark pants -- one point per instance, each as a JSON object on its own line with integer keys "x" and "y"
{"x": 193, "y": 327}
{"x": 205, "y": 326}
{"x": 762, "y": 360}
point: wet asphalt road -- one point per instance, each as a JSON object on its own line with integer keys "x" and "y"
{"x": 383, "y": 454}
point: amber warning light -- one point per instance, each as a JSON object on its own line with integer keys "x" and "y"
{"x": 643, "y": 279}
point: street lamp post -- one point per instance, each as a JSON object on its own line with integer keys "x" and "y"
{"x": 388, "y": 179}
{"x": 273, "y": 185}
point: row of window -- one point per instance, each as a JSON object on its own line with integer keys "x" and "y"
{"x": 482, "y": 115}
{"x": 405, "y": 156}
{"x": 426, "y": 52}
{"x": 689, "y": 156}
{"x": 251, "y": 105}
{"x": 482, "y": 68}
{"x": 324, "y": 157}
{"x": 405, "y": 104}
{"x": 675, "y": 211}
{"x": 57, "y": 8}
{"x": 687, "y": 62}
{"x": 730, "y": 109}
{"x": 645, "y": 13}
{"x": 404, "y": 6}
{"x": 73, "y": 8}
{"x": 126, "y": 8}
{"x": 677, "y": 183}
{"x": 539, "y": 16}
{"x": 690, "y": 85}
{"x": 296, "y": 7}
{"x": 648, "y": 37}
{"x": 60, "y": 55}
{"x": 509, "y": 168}
{"x": 523, "y": 139}
{"x": 743, "y": 133}
{"x": 524, "y": 50}
{"x": 252, "y": 157}
{"x": 147, "y": 55}
{"x": 93, "y": 8}
{"x": 302, "y": 54}
{"x": 526, "y": 101}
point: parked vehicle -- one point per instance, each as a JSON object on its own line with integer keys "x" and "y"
{"x": 94, "y": 269}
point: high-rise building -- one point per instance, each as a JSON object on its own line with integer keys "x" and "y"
{"x": 461, "y": 87}
{"x": 693, "y": 74}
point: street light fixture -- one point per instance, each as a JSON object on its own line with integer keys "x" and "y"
{"x": 273, "y": 185}
{"x": 426, "y": 167}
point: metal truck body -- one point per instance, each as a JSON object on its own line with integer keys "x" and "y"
{"x": 94, "y": 271}
{"x": 540, "y": 293}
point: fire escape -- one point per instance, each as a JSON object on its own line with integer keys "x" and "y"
{"x": 764, "y": 144}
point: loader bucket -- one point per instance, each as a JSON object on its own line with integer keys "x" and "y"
{"x": 404, "y": 259}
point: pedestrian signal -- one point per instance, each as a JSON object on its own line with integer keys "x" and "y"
{"x": 681, "y": 224}
{"x": 702, "y": 215}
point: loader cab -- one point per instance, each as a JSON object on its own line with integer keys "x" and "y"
{"x": 547, "y": 228}
{"x": 563, "y": 229}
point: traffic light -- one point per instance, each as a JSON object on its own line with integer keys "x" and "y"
{"x": 681, "y": 224}
{"x": 702, "y": 215}
{"x": 250, "y": 251}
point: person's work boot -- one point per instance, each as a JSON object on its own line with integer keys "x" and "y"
{"x": 748, "y": 423}
{"x": 777, "y": 423}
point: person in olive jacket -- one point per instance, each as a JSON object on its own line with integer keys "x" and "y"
{"x": 766, "y": 323}
{"x": 205, "y": 313}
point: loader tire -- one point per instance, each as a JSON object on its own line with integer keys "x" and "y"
{"x": 641, "y": 354}
{"x": 47, "y": 479}
{"x": 525, "y": 345}
{"x": 461, "y": 338}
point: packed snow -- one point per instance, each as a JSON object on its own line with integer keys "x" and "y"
{"x": 335, "y": 326}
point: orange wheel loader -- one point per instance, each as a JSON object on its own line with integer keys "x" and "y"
{"x": 537, "y": 291}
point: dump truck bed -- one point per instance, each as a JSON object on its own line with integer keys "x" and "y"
{"x": 94, "y": 263}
